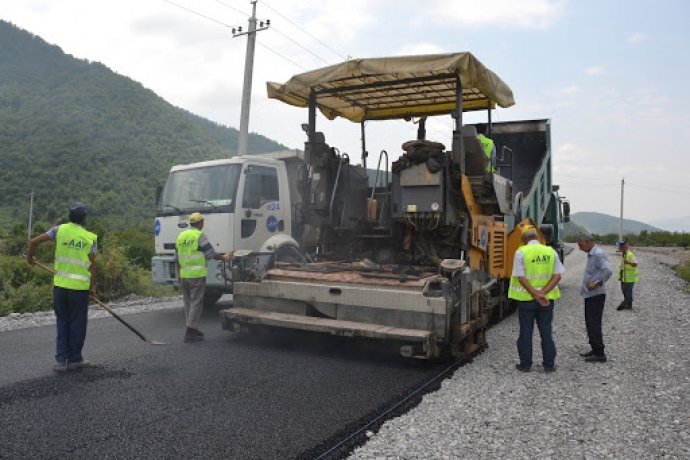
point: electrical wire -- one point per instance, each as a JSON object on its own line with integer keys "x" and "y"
{"x": 232, "y": 8}
{"x": 300, "y": 28}
{"x": 273, "y": 28}
{"x": 198, "y": 14}
{"x": 277, "y": 53}
{"x": 229, "y": 26}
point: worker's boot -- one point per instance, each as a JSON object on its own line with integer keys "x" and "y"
{"x": 191, "y": 336}
{"x": 622, "y": 306}
{"x": 629, "y": 306}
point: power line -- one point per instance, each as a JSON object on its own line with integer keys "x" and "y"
{"x": 300, "y": 28}
{"x": 293, "y": 41}
{"x": 277, "y": 53}
{"x": 198, "y": 14}
{"x": 232, "y": 8}
{"x": 229, "y": 26}
{"x": 276, "y": 30}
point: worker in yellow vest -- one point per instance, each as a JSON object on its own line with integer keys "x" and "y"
{"x": 534, "y": 285}
{"x": 628, "y": 275}
{"x": 191, "y": 252}
{"x": 488, "y": 146}
{"x": 74, "y": 282}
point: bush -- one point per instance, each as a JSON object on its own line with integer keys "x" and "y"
{"x": 27, "y": 298}
{"x": 15, "y": 272}
{"x": 683, "y": 271}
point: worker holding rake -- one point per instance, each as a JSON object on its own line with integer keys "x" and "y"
{"x": 74, "y": 283}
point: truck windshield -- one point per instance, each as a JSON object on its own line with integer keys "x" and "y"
{"x": 208, "y": 189}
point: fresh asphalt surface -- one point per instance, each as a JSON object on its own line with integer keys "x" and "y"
{"x": 231, "y": 396}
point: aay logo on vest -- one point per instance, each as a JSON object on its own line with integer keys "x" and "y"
{"x": 185, "y": 242}
{"x": 542, "y": 259}
{"x": 76, "y": 244}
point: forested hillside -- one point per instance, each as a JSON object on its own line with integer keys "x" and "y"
{"x": 74, "y": 130}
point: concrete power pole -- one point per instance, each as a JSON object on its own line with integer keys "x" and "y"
{"x": 620, "y": 230}
{"x": 248, "y": 71}
{"x": 31, "y": 213}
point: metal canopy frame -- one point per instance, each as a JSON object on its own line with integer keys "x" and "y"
{"x": 402, "y": 98}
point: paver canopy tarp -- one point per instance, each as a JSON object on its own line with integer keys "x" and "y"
{"x": 396, "y": 87}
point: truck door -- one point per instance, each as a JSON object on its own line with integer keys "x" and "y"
{"x": 260, "y": 214}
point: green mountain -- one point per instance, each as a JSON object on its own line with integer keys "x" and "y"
{"x": 74, "y": 130}
{"x": 603, "y": 224}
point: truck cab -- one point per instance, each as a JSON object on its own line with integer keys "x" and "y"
{"x": 246, "y": 203}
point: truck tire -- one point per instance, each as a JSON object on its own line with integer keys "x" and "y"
{"x": 289, "y": 254}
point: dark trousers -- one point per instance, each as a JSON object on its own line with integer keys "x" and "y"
{"x": 71, "y": 312}
{"x": 594, "y": 310}
{"x": 627, "y": 290}
{"x": 529, "y": 312}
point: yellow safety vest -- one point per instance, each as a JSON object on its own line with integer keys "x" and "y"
{"x": 73, "y": 245}
{"x": 192, "y": 261}
{"x": 628, "y": 273}
{"x": 539, "y": 260}
{"x": 488, "y": 146}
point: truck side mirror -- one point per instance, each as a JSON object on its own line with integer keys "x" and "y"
{"x": 159, "y": 192}
{"x": 252, "y": 191}
{"x": 566, "y": 211}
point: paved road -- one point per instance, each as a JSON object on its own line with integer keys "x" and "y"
{"x": 231, "y": 396}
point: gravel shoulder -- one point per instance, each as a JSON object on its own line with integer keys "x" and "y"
{"x": 637, "y": 405}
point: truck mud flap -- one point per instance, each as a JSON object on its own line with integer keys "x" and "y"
{"x": 425, "y": 341}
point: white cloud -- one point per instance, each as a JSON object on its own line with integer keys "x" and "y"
{"x": 569, "y": 90}
{"x": 526, "y": 14}
{"x": 595, "y": 70}
{"x": 638, "y": 37}
{"x": 410, "y": 49}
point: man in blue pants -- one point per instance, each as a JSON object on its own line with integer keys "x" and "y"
{"x": 534, "y": 285}
{"x": 74, "y": 282}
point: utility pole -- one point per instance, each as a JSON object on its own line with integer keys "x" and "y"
{"x": 620, "y": 230}
{"x": 31, "y": 212}
{"x": 248, "y": 71}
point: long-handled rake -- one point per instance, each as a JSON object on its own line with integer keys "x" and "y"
{"x": 110, "y": 310}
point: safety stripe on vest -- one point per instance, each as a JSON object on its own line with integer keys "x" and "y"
{"x": 72, "y": 276}
{"x": 522, "y": 289}
{"x": 539, "y": 277}
{"x": 192, "y": 267}
{"x": 69, "y": 260}
{"x": 195, "y": 256}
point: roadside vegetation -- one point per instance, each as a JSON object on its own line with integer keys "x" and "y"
{"x": 123, "y": 267}
{"x": 123, "y": 264}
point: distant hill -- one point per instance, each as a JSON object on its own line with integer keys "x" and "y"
{"x": 74, "y": 130}
{"x": 604, "y": 224}
{"x": 572, "y": 229}
{"x": 678, "y": 224}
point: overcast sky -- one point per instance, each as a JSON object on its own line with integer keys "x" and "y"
{"x": 610, "y": 75}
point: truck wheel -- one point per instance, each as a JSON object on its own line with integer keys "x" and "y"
{"x": 289, "y": 254}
